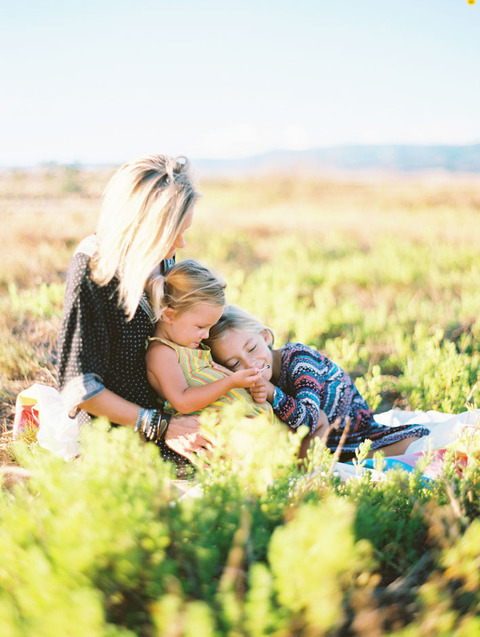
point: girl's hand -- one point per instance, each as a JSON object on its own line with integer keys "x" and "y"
{"x": 269, "y": 390}
{"x": 245, "y": 378}
{"x": 259, "y": 391}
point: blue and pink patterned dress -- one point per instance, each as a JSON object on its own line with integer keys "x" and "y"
{"x": 310, "y": 382}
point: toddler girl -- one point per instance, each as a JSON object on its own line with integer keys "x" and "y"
{"x": 188, "y": 300}
{"x": 303, "y": 386}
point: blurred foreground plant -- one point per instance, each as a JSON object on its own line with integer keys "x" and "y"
{"x": 258, "y": 544}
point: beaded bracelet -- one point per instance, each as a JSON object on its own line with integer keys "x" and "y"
{"x": 152, "y": 425}
{"x": 164, "y": 421}
{"x": 140, "y": 418}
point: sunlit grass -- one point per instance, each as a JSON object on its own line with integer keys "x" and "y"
{"x": 380, "y": 274}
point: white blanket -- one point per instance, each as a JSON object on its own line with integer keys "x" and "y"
{"x": 444, "y": 428}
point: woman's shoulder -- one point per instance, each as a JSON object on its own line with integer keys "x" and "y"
{"x": 80, "y": 264}
{"x": 80, "y": 287}
{"x": 87, "y": 247}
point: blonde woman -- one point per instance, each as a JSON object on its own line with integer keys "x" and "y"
{"x": 147, "y": 208}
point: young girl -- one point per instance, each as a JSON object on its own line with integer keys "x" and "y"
{"x": 303, "y": 386}
{"x": 187, "y": 301}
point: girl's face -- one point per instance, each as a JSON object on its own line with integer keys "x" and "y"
{"x": 179, "y": 241}
{"x": 244, "y": 350}
{"x": 189, "y": 328}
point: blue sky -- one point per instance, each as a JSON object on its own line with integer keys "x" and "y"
{"x": 104, "y": 81}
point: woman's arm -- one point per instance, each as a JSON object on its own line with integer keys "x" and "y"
{"x": 182, "y": 435}
{"x": 111, "y": 406}
{"x": 166, "y": 377}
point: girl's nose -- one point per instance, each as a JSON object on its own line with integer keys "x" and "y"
{"x": 180, "y": 241}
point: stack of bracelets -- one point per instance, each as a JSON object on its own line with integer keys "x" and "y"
{"x": 152, "y": 425}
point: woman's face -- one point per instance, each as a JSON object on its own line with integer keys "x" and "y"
{"x": 179, "y": 241}
{"x": 244, "y": 350}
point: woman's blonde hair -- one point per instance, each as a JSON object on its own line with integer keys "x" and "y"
{"x": 185, "y": 285}
{"x": 144, "y": 205}
{"x": 234, "y": 318}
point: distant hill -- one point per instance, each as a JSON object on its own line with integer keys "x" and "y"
{"x": 352, "y": 158}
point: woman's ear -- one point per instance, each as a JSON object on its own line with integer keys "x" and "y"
{"x": 168, "y": 315}
{"x": 267, "y": 337}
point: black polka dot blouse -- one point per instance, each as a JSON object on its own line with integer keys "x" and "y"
{"x": 97, "y": 347}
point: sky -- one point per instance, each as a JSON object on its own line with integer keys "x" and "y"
{"x": 103, "y": 81}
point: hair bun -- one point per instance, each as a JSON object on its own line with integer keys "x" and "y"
{"x": 180, "y": 164}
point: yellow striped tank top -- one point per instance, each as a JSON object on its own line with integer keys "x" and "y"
{"x": 196, "y": 365}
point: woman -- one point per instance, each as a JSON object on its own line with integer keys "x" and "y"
{"x": 147, "y": 207}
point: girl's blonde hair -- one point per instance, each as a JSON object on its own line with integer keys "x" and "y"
{"x": 234, "y": 318}
{"x": 185, "y": 285}
{"x": 144, "y": 205}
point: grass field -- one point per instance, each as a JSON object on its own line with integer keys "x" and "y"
{"x": 383, "y": 275}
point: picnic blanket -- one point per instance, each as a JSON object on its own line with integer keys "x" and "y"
{"x": 445, "y": 430}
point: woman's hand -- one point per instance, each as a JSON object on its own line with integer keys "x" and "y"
{"x": 184, "y": 437}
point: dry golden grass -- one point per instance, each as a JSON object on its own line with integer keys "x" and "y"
{"x": 410, "y": 208}
{"x": 42, "y": 214}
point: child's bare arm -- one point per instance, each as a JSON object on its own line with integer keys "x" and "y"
{"x": 163, "y": 370}
{"x": 166, "y": 377}
{"x": 190, "y": 399}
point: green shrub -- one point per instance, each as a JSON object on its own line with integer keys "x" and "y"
{"x": 314, "y": 558}
{"x": 386, "y": 282}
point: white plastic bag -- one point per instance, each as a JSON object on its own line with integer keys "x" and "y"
{"x": 56, "y": 432}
